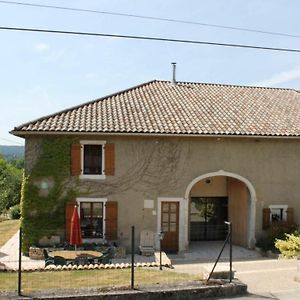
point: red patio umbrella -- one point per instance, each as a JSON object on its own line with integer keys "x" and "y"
{"x": 75, "y": 230}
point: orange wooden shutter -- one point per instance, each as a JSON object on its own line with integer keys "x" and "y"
{"x": 69, "y": 212}
{"x": 109, "y": 159}
{"x": 290, "y": 216}
{"x": 266, "y": 218}
{"x": 75, "y": 159}
{"x": 111, "y": 220}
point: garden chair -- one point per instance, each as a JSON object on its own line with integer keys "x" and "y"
{"x": 146, "y": 243}
{"x": 106, "y": 258}
{"x": 48, "y": 259}
{"x": 59, "y": 261}
{"x": 81, "y": 261}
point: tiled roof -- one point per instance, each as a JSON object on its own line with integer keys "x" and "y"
{"x": 159, "y": 107}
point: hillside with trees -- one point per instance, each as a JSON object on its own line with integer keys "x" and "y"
{"x": 10, "y": 183}
{"x": 12, "y": 152}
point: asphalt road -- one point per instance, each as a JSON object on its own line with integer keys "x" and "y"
{"x": 266, "y": 278}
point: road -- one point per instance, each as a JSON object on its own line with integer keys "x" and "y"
{"x": 266, "y": 278}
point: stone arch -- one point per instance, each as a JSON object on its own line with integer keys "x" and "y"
{"x": 252, "y": 206}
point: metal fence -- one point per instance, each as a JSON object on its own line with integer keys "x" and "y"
{"x": 53, "y": 274}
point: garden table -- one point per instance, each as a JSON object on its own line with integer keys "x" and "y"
{"x": 72, "y": 254}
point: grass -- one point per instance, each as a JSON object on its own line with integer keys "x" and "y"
{"x": 100, "y": 279}
{"x": 7, "y": 229}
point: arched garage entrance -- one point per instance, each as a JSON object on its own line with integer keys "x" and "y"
{"x": 216, "y": 197}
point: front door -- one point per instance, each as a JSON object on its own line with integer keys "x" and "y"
{"x": 169, "y": 226}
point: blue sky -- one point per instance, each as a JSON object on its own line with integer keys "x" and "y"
{"x": 43, "y": 73}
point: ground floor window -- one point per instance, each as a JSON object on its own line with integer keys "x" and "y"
{"x": 91, "y": 219}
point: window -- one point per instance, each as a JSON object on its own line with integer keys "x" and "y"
{"x": 92, "y": 159}
{"x": 278, "y": 213}
{"x": 92, "y": 218}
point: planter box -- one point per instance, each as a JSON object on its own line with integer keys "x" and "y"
{"x": 36, "y": 253}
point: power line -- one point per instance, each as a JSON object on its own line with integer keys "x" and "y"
{"x": 150, "y": 18}
{"x": 149, "y": 38}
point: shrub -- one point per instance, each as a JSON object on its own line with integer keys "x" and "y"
{"x": 277, "y": 230}
{"x": 14, "y": 212}
{"x": 290, "y": 246}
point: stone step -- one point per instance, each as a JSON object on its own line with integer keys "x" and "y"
{"x": 220, "y": 272}
{"x": 165, "y": 260}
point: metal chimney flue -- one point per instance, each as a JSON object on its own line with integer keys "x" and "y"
{"x": 174, "y": 73}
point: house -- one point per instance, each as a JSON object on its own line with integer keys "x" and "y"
{"x": 178, "y": 157}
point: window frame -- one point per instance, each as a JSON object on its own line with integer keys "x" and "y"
{"x": 92, "y": 176}
{"x": 94, "y": 200}
{"x": 284, "y": 208}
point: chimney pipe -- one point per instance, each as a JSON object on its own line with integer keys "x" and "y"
{"x": 174, "y": 73}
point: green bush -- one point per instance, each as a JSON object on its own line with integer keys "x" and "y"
{"x": 10, "y": 184}
{"x": 14, "y": 212}
{"x": 276, "y": 231}
{"x": 290, "y": 246}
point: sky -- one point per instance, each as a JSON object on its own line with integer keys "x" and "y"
{"x": 44, "y": 73}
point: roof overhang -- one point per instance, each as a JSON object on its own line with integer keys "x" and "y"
{"x": 24, "y": 134}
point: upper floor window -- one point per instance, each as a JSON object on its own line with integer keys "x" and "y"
{"x": 93, "y": 159}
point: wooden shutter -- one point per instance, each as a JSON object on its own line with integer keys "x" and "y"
{"x": 109, "y": 159}
{"x": 290, "y": 216}
{"x": 75, "y": 159}
{"x": 68, "y": 213}
{"x": 266, "y": 218}
{"x": 111, "y": 220}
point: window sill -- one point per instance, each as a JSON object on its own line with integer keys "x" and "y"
{"x": 94, "y": 177}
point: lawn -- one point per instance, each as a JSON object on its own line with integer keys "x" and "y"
{"x": 7, "y": 229}
{"x": 101, "y": 279}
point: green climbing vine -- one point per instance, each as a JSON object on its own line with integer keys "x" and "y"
{"x": 44, "y": 192}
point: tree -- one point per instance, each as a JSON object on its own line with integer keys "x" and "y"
{"x": 10, "y": 184}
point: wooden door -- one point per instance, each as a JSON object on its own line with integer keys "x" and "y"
{"x": 169, "y": 225}
{"x": 238, "y": 211}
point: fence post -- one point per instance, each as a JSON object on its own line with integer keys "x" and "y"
{"x": 20, "y": 264}
{"x": 132, "y": 257}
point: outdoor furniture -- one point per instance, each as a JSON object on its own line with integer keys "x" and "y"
{"x": 106, "y": 258}
{"x": 82, "y": 261}
{"x": 59, "y": 261}
{"x": 79, "y": 257}
{"x": 48, "y": 260}
{"x": 147, "y": 242}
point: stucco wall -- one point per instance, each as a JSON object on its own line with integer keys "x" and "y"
{"x": 217, "y": 187}
{"x": 149, "y": 167}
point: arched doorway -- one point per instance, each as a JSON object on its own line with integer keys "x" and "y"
{"x": 215, "y": 197}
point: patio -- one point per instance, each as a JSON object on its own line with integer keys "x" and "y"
{"x": 198, "y": 252}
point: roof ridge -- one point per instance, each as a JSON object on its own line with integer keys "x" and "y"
{"x": 230, "y": 85}
{"x": 83, "y": 104}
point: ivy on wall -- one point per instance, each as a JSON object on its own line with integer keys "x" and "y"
{"x": 44, "y": 192}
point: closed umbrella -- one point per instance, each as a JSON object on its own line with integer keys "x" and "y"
{"x": 75, "y": 230}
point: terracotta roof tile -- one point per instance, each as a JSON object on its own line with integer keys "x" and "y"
{"x": 184, "y": 108}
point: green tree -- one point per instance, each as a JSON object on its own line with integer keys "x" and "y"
{"x": 10, "y": 184}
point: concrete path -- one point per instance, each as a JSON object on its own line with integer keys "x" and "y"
{"x": 9, "y": 255}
